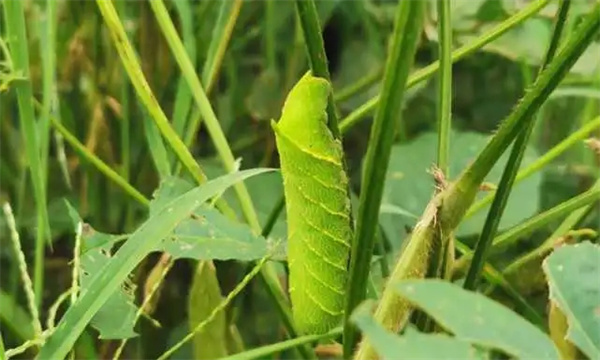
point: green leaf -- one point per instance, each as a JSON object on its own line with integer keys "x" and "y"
{"x": 205, "y": 295}
{"x": 573, "y": 272}
{"x": 412, "y": 345}
{"x": 410, "y": 186}
{"x": 134, "y": 250}
{"x": 209, "y": 234}
{"x": 116, "y": 317}
{"x": 477, "y": 319}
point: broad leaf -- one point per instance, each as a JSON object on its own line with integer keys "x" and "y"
{"x": 573, "y": 272}
{"x": 115, "y": 319}
{"x": 475, "y": 318}
{"x": 412, "y": 345}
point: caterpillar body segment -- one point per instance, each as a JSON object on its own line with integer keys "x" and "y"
{"x": 317, "y": 207}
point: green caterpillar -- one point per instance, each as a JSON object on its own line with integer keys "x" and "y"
{"x": 317, "y": 207}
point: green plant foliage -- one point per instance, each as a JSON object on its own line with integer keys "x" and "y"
{"x": 573, "y": 272}
{"x": 412, "y": 344}
{"x": 115, "y": 272}
{"x": 478, "y": 319}
{"x": 207, "y": 235}
{"x": 317, "y": 204}
{"x": 115, "y": 319}
{"x": 205, "y": 295}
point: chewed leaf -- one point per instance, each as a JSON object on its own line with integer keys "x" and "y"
{"x": 115, "y": 319}
{"x": 412, "y": 345}
{"x": 477, "y": 319}
{"x": 573, "y": 272}
{"x": 116, "y": 271}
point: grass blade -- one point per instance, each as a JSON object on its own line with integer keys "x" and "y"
{"x": 311, "y": 29}
{"x": 84, "y": 153}
{"x": 142, "y": 241}
{"x": 183, "y": 98}
{"x": 261, "y": 352}
{"x": 206, "y": 110}
{"x": 510, "y": 170}
{"x": 407, "y": 28}
{"x": 14, "y": 15}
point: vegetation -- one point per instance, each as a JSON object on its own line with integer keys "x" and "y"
{"x": 143, "y": 147}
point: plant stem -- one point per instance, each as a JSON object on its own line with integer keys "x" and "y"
{"x": 212, "y": 124}
{"x": 462, "y": 192}
{"x": 510, "y": 170}
{"x": 407, "y": 28}
{"x": 14, "y": 15}
{"x": 311, "y": 29}
{"x": 84, "y": 153}
{"x": 445, "y": 84}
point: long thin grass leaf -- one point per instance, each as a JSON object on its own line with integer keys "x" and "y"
{"x": 14, "y": 15}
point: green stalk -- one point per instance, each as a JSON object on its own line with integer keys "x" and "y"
{"x": 407, "y": 28}
{"x": 461, "y": 193}
{"x": 228, "y": 14}
{"x": 14, "y": 15}
{"x": 541, "y": 162}
{"x": 445, "y": 84}
{"x": 212, "y": 124}
{"x": 183, "y": 98}
{"x": 85, "y": 154}
{"x": 263, "y": 351}
{"x": 311, "y": 29}
{"x": 423, "y": 74}
{"x": 510, "y": 170}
